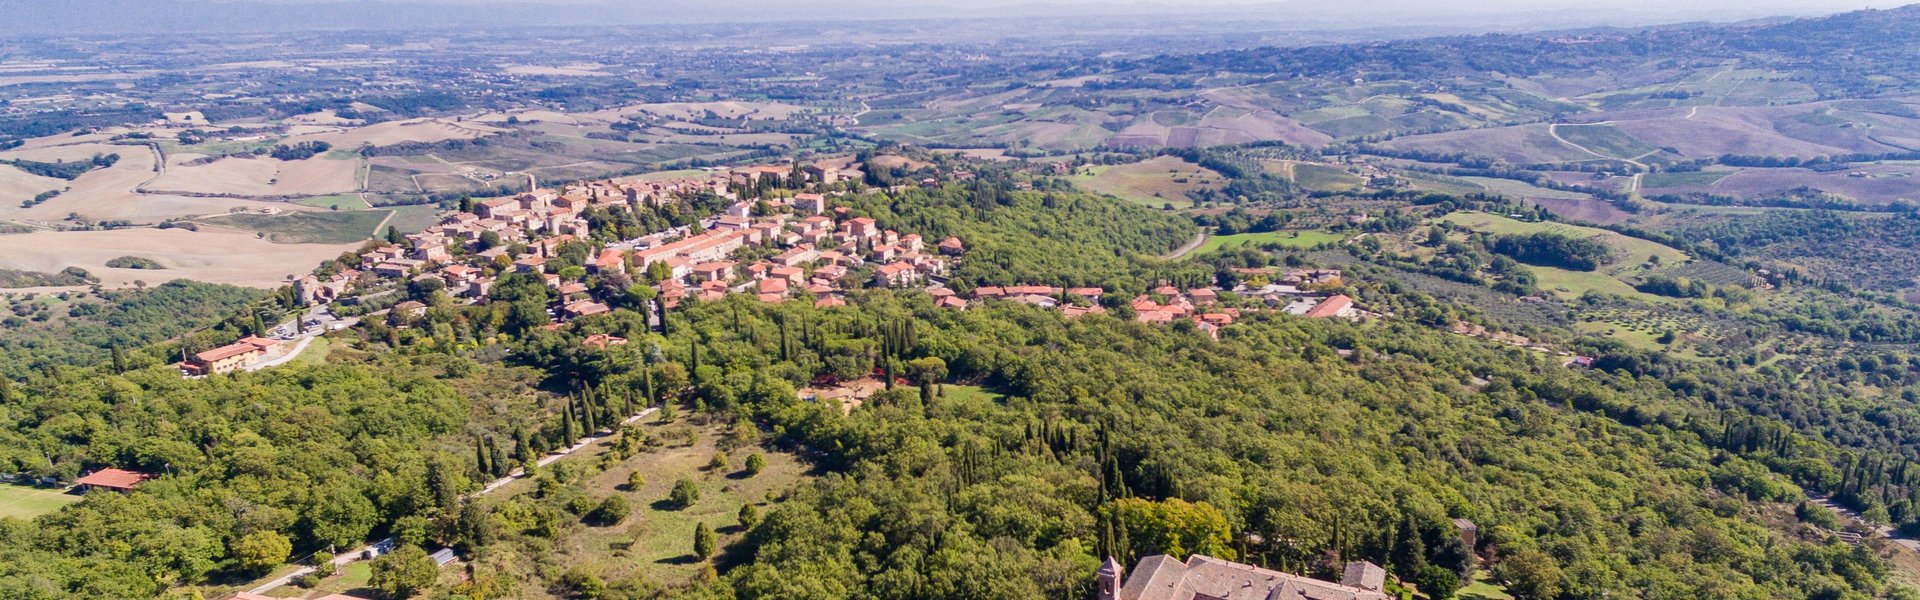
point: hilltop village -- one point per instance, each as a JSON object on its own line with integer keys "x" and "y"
{"x": 775, "y": 233}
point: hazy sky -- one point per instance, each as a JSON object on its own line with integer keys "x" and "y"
{"x": 92, "y": 16}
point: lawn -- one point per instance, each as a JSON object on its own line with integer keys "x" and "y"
{"x": 1156, "y": 183}
{"x": 316, "y": 352}
{"x": 1480, "y": 587}
{"x": 24, "y": 502}
{"x": 1292, "y": 239}
{"x": 333, "y": 227}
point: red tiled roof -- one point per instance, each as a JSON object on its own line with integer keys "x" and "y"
{"x": 117, "y": 479}
{"x": 1330, "y": 307}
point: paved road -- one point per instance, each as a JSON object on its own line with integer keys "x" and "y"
{"x": 1853, "y": 517}
{"x": 1199, "y": 239}
{"x": 344, "y": 558}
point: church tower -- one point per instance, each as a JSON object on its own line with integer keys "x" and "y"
{"x": 1109, "y": 575}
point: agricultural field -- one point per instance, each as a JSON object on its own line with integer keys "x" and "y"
{"x": 258, "y": 176}
{"x": 334, "y": 202}
{"x": 331, "y": 227}
{"x": 1605, "y": 141}
{"x": 1156, "y": 182}
{"x": 1323, "y": 178}
{"x": 1682, "y": 179}
{"x": 26, "y": 502}
{"x": 1871, "y": 184}
{"x": 110, "y": 193}
{"x": 1520, "y": 145}
{"x": 413, "y": 218}
{"x": 1521, "y": 190}
{"x": 216, "y": 256}
{"x": 1291, "y": 239}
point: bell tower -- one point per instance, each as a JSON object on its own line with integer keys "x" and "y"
{"x": 1109, "y": 575}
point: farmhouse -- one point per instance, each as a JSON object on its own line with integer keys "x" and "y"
{"x": 1161, "y": 577}
{"x": 228, "y": 358}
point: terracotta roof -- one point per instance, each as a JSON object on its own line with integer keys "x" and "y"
{"x": 1330, "y": 307}
{"x": 118, "y": 479}
{"x": 226, "y": 352}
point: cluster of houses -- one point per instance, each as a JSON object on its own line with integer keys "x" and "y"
{"x": 818, "y": 248}
{"x": 1169, "y": 304}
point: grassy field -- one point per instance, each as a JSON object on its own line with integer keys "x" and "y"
{"x": 656, "y": 540}
{"x": 1630, "y": 256}
{"x": 23, "y": 502}
{"x": 336, "y": 227}
{"x": 969, "y": 393}
{"x": 1157, "y": 182}
{"x": 1293, "y": 239}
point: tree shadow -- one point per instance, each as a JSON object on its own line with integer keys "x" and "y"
{"x": 684, "y": 559}
{"x": 665, "y": 505}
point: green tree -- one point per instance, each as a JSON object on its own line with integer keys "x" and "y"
{"x": 611, "y": 511}
{"x": 755, "y": 463}
{"x": 684, "y": 494}
{"x": 749, "y": 516}
{"x": 1530, "y": 575}
{"x": 261, "y": 551}
{"x": 1436, "y": 582}
{"x": 403, "y": 573}
{"x": 635, "y": 481}
{"x": 1174, "y": 526}
{"x": 704, "y": 542}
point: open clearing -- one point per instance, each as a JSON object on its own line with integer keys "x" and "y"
{"x": 215, "y": 256}
{"x": 23, "y": 502}
{"x": 1157, "y": 182}
{"x": 656, "y": 540}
